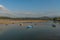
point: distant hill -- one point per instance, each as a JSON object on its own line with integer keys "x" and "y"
{"x": 26, "y": 18}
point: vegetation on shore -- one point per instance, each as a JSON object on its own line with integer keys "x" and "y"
{"x": 8, "y": 20}
{"x": 26, "y": 18}
{"x": 31, "y": 18}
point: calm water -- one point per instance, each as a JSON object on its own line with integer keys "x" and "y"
{"x": 40, "y": 31}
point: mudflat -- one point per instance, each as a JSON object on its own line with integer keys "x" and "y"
{"x": 8, "y": 21}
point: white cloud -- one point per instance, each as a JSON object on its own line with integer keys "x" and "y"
{"x": 3, "y": 9}
{"x": 6, "y": 12}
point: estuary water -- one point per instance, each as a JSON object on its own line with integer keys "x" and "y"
{"x": 39, "y": 31}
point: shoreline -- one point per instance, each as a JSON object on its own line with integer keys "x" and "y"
{"x": 6, "y": 21}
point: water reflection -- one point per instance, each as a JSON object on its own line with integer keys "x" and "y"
{"x": 53, "y": 25}
{"x": 29, "y": 28}
{"x": 41, "y": 31}
{"x": 58, "y": 22}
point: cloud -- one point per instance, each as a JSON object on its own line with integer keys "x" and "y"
{"x": 51, "y": 13}
{"x": 9, "y": 13}
{"x": 5, "y": 10}
{"x": 27, "y": 14}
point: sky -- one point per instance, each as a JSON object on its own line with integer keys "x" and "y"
{"x": 30, "y": 8}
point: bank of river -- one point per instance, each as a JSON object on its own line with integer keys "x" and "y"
{"x": 7, "y": 21}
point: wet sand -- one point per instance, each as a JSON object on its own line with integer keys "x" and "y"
{"x": 7, "y": 21}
